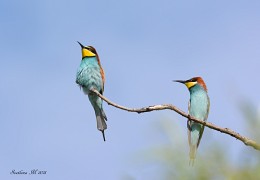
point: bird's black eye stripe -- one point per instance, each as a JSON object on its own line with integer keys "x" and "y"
{"x": 192, "y": 80}
{"x": 90, "y": 49}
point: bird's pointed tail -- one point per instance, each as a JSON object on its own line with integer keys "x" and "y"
{"x": 193, "y": 151}
{"x": 101, "y": 121}
{"x": 100, "y": 114}
{"x": 194, "y": 136}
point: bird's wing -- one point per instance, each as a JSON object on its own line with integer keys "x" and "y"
{"x": 201, "y": 133}
{"x": 102, "y": 74}
{"x": 103, "y": 78}
{"x": 202, "y": 129}
{"x": 207, "y": 109}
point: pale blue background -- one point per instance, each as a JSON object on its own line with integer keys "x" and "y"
{"x": 47, "y": 123}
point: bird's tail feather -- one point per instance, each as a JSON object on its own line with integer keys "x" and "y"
{"x": 193, "y": 151}
{"x": 103, "y": 114}
{"x": 101, "y": 121}
{"x": 100, "y": 114}
{"x": 194, "y": 140}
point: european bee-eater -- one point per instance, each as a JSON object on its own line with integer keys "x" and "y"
{"x": 199, "y": 108}
{"x": 90, "y": 75}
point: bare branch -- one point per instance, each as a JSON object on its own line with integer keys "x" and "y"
{"x": 230, "y": 132}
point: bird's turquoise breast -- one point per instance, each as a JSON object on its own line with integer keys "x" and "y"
{"x": 199, "y": 103}
{"x": 88, "y": 74}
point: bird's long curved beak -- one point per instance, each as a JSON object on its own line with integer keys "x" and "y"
{"x": 180, "y": 81}
{"x": 81, "y": 45}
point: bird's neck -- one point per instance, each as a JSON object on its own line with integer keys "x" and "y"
{"x": 89, "y": 59}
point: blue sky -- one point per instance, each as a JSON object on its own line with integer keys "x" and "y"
{"x": 49, "y": 124}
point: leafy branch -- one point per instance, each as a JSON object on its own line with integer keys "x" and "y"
{"x": 245, "y": 140}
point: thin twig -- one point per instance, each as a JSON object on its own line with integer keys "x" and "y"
{"x": 230, "y": 132}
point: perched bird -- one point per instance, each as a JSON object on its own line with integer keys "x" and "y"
{"x": 199, "y": 108}
{"x": 90, "y": 75}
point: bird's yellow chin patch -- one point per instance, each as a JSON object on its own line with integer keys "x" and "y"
{"x": 190, "y": 84}
{"x": 87, "y": 53}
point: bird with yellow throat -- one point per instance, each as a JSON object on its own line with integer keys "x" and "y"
{"x": 90, "y": 75}
{"x": 199, "y": 108}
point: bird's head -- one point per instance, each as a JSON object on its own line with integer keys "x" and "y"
{"x": 193, "y": 81}
{"x": 88, "y": 51}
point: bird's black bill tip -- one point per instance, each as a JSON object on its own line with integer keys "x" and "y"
{"x": 80, "y": 45}
{"x": 179, "y": 81}
{"x": 103, "y": 133}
